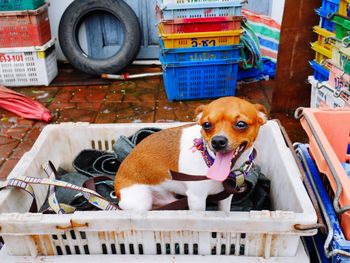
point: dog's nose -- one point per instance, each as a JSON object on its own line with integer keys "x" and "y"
{"x": 219, "y": 142}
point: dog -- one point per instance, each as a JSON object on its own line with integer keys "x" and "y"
{"x": 228, "y": 127}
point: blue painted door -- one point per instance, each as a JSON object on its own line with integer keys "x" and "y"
{"x": 105, "y": 33}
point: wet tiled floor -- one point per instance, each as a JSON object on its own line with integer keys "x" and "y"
{"x": 71, "y": 99}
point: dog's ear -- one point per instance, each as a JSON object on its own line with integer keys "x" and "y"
{"x": 262, "y": 113}
{"x": 198, "y": 112}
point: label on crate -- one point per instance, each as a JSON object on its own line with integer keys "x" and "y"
{"x": 11, "y": 58}
{"x": 345, "y": 97}
{"x": 203, "y": 43}
{"x": 343, "y": 59}
{"x": 341, "y": 84}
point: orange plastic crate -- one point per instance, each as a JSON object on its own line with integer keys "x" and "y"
{"x": 25, "y": 28}
{"x": 329, "y": 137}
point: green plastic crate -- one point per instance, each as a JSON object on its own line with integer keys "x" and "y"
{"x": 342, "y": 27}
{"x": 13, "y": 5}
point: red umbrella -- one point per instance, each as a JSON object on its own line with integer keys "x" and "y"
{"x": 23, "y": 106}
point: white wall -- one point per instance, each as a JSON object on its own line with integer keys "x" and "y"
{"x": 56, "y": 10}
{"x": 57, "y": 7}
{"x": 277, "y": 10}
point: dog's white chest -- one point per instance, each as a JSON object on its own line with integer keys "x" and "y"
{"x": 191, "y": 160}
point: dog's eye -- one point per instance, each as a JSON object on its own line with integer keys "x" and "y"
{"x": 241, "y": 125}
{"x": 206, "y": 126}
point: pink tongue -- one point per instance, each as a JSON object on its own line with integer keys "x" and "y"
{"x": 221, "y": 166}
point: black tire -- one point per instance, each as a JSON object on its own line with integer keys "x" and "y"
{"x": 68, "y": 36}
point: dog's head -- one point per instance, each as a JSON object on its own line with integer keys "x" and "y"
{"x": 230, "y": 125}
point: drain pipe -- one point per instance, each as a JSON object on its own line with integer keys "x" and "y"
{"x": 126, "y": 76}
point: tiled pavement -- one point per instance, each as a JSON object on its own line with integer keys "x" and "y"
{"x": 142, "y": 100}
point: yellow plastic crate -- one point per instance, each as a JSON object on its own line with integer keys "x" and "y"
{"x": 202, "y": 39}
{"x": 321, "y": 53}
{"x": 343, "y": 7}
{"x": 322, "y": 35}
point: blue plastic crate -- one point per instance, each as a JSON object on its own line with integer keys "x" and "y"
{"x": 200, "y": 80}
{"x": 338, "y": 241}
{"x": 175, "y": 55}
{"x": 324, "y": 19}
{"x": 198, "y": 10}
{"x": 330, "y": 6}
{"x": 320, "y": 72}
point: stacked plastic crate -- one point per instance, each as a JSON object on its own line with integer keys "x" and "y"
{"x": 324, "y": 30}
{"x": 200, "y": 47}
{"x": 27, "y": 53}
{"x": 326, "y": 161}
{"x": 330, "y": 83}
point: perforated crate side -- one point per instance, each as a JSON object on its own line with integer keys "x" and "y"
{"x": 25, "y": 29}
{"x": 28, "y": 68}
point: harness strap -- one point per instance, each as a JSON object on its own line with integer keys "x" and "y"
{"x": 182, "y": 203}
{"x": 177, "y": 176}
{"x": 25, "y": 182}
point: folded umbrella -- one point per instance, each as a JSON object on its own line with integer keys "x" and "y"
{"x": 23, "y": 106}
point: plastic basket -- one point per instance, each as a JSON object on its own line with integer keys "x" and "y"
{"x": 134, "y": 235}
{"x": 322, "y": 53}
{"x": 197, "y": 40}
{"x": 25, "y": 28}
{"x": 28, "y": 66}
{"x": 15, "y": 5}
{"x": 322, "y": 94}
{"x": 344, "y": 7}
{"x": 200, "y": 10}
{"x": 323, "y": 34}
{"x": 337, "y": 241}
{"x": 338, "y": 79}
{"x": 330, "y": 6}
{"x": 328, "y": 132}
{"x": 320, "y": 73}
{"x": 200, "y": 80}
{"x": 202, "y": 54}
{"x": 194, "y": 25}
{"x": 342, "y": 26}
{"x": 325, "y": 20}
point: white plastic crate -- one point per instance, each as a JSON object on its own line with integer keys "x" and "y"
{"x": 28, "y": 66}
{"x": 301, "y": 257}
{"x": 200, "y": 10}
{"x": 241, "y": 234}
{"x": 323, "y": 93}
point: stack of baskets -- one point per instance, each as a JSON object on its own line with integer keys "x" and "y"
{"x": 200, "y": 47}
{"x": 27, "y": 53}
{"x": 330, "y": 82}
{"x": 324, "y": 161}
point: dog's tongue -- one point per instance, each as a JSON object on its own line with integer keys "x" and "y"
{"x": 221, "y": 167}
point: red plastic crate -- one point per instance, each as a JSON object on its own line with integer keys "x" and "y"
{"x": 195, "y": 25}
{"x": 25, "y": 28}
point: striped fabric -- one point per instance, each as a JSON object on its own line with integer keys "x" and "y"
{"x": 268, "y": 32}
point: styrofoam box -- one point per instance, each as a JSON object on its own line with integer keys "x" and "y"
{"x": 28, "y": 66}
{"x": 323, "y": 93}
{"x": 242, "y": 234}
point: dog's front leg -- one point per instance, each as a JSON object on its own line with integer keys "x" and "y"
{"x": 196, "y": 201}
{"x": 225, "y": 205}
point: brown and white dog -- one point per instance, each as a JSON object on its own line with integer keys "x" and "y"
{"x": 228, "y": 126}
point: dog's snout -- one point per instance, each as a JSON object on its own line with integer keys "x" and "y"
{"x": 219, "y": 142}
